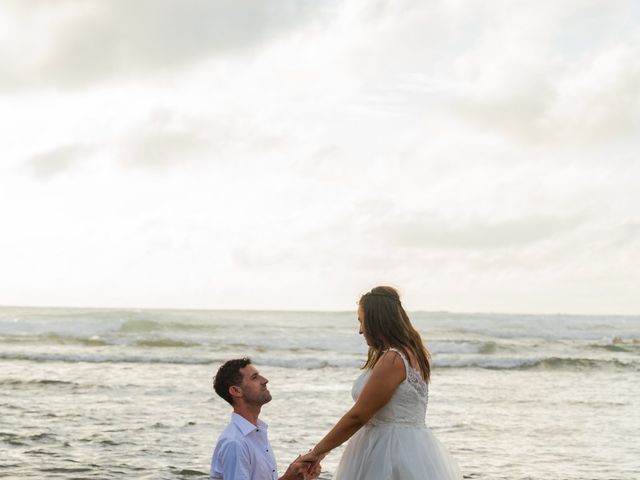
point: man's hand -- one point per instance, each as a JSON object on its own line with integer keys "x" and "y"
{"x": 313, "y": 463}
{"x": 298, "y": 470}
{"x": 313, "y": 471}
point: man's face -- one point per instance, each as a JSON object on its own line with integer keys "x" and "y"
{"x": 254, "y": 386}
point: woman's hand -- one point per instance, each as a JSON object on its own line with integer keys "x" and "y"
{"x": 313, "y": 471}
{"x": 313, "y": 460}
{"x": 312, "y": 456}
{"x": 297, "y": 470}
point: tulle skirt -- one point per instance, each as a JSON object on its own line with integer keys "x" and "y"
{"x": 396, "y": 452}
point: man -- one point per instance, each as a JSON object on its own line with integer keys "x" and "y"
{"x": 243, "y": 451}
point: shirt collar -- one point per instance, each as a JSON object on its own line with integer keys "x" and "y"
{"x": 245, "y": 426}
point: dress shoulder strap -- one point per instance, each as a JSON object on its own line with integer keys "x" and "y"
{"x": 413, "y": 376}
{"x": 402, "y": 356}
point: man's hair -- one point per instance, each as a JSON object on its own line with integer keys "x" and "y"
{"x": 229, "y": 374}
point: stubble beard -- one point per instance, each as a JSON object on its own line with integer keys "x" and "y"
{"x": 259, "y": 399}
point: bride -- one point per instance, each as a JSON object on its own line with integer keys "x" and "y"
{"x": 386, "y": 425}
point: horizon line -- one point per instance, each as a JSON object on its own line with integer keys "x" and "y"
{"x": 277, "y": 310}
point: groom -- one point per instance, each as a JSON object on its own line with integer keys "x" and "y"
{"x": 243, "y": 451}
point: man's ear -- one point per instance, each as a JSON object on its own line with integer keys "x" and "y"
{"x": 235, "y": 391}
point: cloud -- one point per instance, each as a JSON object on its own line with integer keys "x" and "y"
{"x": 166, "y": 139}
{"x": 540, "y": 73}
{"x": 94, "y": 40}
{"x": 423, "y": 230}
{"x": 600, "y": 99}
{"x": 624, "y": 236}
{"x": 591, "y": 99}
{"x": 473, "y": 143}
{"x": 57, "y": 161}
{"x": 169, "y": 138}
{"x": 526, "y": 78}
{"x": 254, "y": 258}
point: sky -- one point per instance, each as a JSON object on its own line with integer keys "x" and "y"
{"x": 292, "y": 154}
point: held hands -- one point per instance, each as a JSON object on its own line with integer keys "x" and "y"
{"x": 313, "y": 457}
{"x": 313, "y": 460}
{"x": 313, "y": 471}
{"x": 302, "y": 470}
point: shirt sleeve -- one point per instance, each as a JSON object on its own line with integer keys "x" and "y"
{"x": 235, "y": 461}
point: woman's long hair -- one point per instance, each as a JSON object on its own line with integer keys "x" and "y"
{"x": 386, "y": 325}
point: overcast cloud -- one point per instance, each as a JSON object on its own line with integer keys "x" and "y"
{"x": 93, "y": 41}
{"x": 291, "y": 154}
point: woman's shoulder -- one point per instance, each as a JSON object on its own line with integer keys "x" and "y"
{"x": 389, "y": 369}
{"x": 393, "y": 359}
{"x": 409, "y": 359}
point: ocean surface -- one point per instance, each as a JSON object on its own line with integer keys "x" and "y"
{"x": 115, "y": 394}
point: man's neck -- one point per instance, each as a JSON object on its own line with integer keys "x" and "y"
{"x": 248, "y": 412}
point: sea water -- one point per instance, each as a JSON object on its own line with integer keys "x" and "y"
{"x": 115, "y": 394}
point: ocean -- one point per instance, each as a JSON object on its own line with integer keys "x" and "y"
{"x": 112, "y": 394}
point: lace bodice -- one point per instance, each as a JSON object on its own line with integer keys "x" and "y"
{"x": 408, "y": 405}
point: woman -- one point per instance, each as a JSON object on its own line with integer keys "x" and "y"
{"x": 389, "y": 438}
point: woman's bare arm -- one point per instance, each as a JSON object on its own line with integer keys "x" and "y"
{"x": 388, "y": 373}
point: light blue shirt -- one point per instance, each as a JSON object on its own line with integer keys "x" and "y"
{"x": 243, "y": 452}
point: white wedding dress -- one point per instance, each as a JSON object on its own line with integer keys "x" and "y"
{"x": 396, "y": 444}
